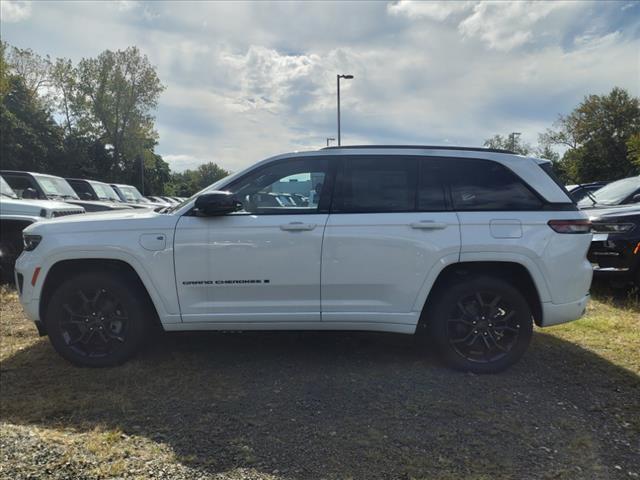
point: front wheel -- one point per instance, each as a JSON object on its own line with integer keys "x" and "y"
{"x": 481, "y": 324}
{"x": 97, "y": 319}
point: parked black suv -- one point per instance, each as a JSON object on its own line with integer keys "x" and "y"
{"x": 620, "y": 192}
{"x": 615, "y": 248}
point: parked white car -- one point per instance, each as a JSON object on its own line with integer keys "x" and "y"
{"x": 467, "y": 246}
{"x": 15, "y": 215}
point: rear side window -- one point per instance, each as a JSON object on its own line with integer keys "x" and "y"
{"x": 430, "y": 186}
{"x": 376, "y": 184}
{"x": 487, "y": 185}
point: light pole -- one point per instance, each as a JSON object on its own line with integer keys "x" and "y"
{"x": 512, "y": 137}
{"x": 330, "y": 139}
{"x": 338, "y": 77}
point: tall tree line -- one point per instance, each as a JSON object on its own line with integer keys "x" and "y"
{"x": 93, "y": 119}
{"x": 600, "y": 139}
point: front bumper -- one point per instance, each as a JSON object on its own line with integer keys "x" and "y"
{"x": 614, "y": 256}
{"x": 29, "y": 296}
{"x": 556, "y": 313}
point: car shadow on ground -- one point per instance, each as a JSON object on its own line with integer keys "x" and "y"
{"x": 341, "y": 405}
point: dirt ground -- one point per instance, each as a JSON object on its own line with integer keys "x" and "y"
{"x": 325, "y": 406}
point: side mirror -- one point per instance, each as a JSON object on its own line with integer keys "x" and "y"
{"x": 635, "y": 198}
{"x": 217, "y": 203}
{"x": 85, "y": 196}
{"x": 29, "y": 193}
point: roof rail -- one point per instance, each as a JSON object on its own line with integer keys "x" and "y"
{"x": 424, "y": 147}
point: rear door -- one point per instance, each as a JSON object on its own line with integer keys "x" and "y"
{"x": 389, "y": 227}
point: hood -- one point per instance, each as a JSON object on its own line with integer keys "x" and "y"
{"x": 106, "y": 221}
{"x": 19, "y": 206}
{"x": 97, "y": 205}
{"x": 596, "y": 214}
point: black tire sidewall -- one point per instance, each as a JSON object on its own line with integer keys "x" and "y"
{"x": 447, "y": 299}
{"x": 130, "y": 296}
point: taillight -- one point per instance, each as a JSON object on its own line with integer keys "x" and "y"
{"x": 570, "y": 226}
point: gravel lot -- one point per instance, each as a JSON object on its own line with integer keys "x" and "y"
{"x": 320, "y": 405}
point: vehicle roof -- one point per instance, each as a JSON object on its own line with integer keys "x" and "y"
{"x": 422, "y": 147}
{"x": 31, "y": 173}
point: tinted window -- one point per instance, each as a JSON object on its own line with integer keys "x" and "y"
{"x": 20, "y": 183}
{"x": 376, "y": 184}
{"x": 487, "y": 185}
{"x": 291, "y": 186}
{"x": 82, "y": 188}
{"x": 430, "y": 187}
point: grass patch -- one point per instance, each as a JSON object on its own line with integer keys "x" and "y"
{"x": 334, "y": 406}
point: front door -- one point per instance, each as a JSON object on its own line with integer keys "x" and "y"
{"x": 261, "y": 264}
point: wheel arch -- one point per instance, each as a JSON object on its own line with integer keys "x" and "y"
{"x": 515, "y": 273}
{"x": 64, "y": 269}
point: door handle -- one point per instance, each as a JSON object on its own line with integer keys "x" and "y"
{"x": 428, "y": 225}
{"x": 297, "y": 226}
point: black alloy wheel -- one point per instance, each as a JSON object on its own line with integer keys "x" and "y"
{"x": 483, "y": 327}
{"x": 480, "y": 324}
{"x": 95, "y": 324}
{"x": 98, "y": 319}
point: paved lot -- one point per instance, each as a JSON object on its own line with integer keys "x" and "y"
{"x": 290, "y": 405}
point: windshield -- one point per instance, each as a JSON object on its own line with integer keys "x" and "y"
{"x": 132, "y": 194}
{"x": 614, "y": 193}
{"x": 6, "y": 190}
{"x": 105, "y": 192}
{"x": 55, "y": 186}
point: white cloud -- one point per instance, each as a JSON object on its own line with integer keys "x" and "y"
{"x": 250, "y": 80}
{"x": 13, "y": 11}
{"x": 433, "y": 10}
{"x": 504, "y": 26}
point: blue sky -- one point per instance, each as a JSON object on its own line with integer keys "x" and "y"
{"x": 248, "y": 80}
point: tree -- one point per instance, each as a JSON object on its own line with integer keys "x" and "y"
{"x": 29, "y": 137}
{"x": 633, "y": 150}
{"x": 511, "y": 142}
{"x": 596, "y": 136}
{"x": 189, "y": 182}
{"x": 116, "y": 93}
{"x": 33, "y": 69}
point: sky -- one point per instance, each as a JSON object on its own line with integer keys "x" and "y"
{"x": 245, "y": 81}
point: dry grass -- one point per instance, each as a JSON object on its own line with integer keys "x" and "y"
{"x": 266, "y": 406}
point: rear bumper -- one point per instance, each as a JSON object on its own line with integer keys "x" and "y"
{"x": 556, "y": 313}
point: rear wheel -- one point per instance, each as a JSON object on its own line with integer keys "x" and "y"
{"x": 481, "y": 324}
{"x": 98, "y": 319}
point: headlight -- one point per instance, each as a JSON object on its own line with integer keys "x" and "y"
{"x": 612, "y": 227}
{"x": 31, "y": 241}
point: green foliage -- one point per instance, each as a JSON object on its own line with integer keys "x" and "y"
{"x": 29, "y": 137}
{"x": 114, "y": 95}
{"x": 633, "y": 150}
{"x": 106, "y": 130}
{"x": 596, "y": 135}
{"x": 189, "y": 182}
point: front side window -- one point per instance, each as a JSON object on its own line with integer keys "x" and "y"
{"x": 376, "y": 184}
{"x": 290, "y": 186}
{"x": 487, "y": 185}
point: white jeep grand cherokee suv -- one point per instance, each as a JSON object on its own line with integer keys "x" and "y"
{"x": 467, "y": 246}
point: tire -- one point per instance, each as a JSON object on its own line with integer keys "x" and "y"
{"x": 98, "y": 319}
{"x": 501, "y": 332}
{"x": 9, "y": 253}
